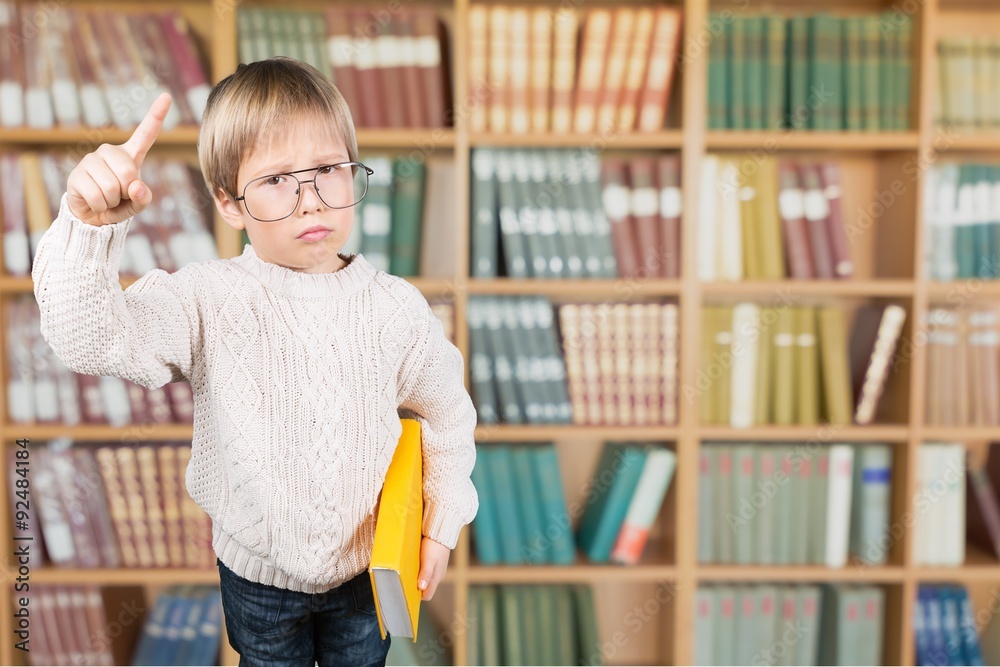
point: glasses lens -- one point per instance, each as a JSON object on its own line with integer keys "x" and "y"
{"x": 272, "y": 197}
{"x": 342, "y": 185}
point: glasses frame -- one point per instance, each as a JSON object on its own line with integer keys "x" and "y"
{"x": 369, "y": 171}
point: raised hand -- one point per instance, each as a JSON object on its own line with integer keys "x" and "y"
{"x": 105, "y": 187}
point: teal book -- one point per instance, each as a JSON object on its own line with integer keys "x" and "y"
{"x": 486, "y": 525}
{"x": 586, "y": 626}
{"x": 799, "y": 70}
{"x": 718, "y": 74}
{"x": 738, "y": 84}
{"x": 614, "y": 480}
{"x": 754, "y": 67}
{"x": 501, "y": 466}
{"x": 557, "y": 530}
{"x": 528, "y": 503}
{"x": 408, "y": 178}
{"x": 775, "y": 80}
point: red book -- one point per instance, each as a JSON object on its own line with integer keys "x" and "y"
{"x": 669, "y": 178}
{"x": 340, "y": 47}
{"x": 843, "y": 265}
{"x": 817, "y": 211}
{"x": 414, "y": 108}
{"x": 192, "y": 75}
{"x": 368, "y": 75}
{"x": 389, "y": 56}
{"x": 431, "y": 61}
{"x": 644, "y": 205}
{"x": 791, "y": 208}
{"x": 615, "y": 195}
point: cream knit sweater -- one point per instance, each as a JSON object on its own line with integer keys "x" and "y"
{"x": 297, "y": 379}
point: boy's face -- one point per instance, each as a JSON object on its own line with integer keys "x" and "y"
{"x": 306, "y": 144}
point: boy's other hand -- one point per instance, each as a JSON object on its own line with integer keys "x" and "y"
{"x": 105, "y": 188}
{"x": 433, "y": 564}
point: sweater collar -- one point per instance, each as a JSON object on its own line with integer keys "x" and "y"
{"x": 298, "y": 284}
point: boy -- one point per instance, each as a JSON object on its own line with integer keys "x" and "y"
{"x": 299, "y": 358}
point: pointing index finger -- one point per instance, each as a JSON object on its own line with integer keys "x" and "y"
{"x": 145, "y": 134}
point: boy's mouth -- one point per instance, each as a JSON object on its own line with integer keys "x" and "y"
{"x": 314, "y": 233}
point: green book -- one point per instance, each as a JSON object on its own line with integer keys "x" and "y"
{"x": 527, "y": 500}
{"x": 565, "y": 637}
{"x": 723, "y": 483}
{"x": 799, "y": 69}
{"x": 853, "y": 99}
{"x": 887, "y": 67}
{"x": 501, "y": 469}
{"x": 754, "y": 68}
{"x": 746, "y": 524}
{"x": 819, "y": 91}
{"x": 530, "y": 624}
{"x": 724, "y": 627}
{"x": 474, "y": 638}
{"x": 490, "y": 628}
{"x": 589, "y": 638}
{"x": 376, "y": 221}
{"x": 870, "y": 73}
{"x": 407, "y": 207}
{"x": 818, "y": 494}
{"x": 512, "y": 634}
{"x": 704, "y": 621}
{"x": 965, "y": 230}
{"x": 718, "y": 75}
{"x": 835, "y": 73}
{"x": 545, "y": 602}
{"x": 485, "y": 232}
{"x": 738, "y": 84}
{"x": 486, "y": 525}
{"x": 903, "y": 75}
{"x": 785, "y": 498}
{"x": 776, "y": 32}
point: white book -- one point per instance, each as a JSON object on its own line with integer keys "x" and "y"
{"x": 952, "y": 531}
{"x": 657, "y": 472}
{"x": 729, "y": 224}
{"x": 706, "y": 221}
{"x": 838, "y": 504}
{"x": 744, "y": 369}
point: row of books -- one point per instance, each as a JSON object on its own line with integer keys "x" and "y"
{"x": 390, "y": 66}
{"x": 542, "y": 624}
{"x": 771, "y": 219}
{"x": 175, "y": 230}
{"x": 42, "y": 390}
{"x": 820, "y": 72}
{"x": 945, "y": 628}
{"x": 184, "y": 627}
{"x": 73, "y": 624}
{"x": 789, "y": 625}
{"x": 794, "y": 364}
{"x": 517, "y": 371}
{"x": 113, "y": 506}
{"x": 528, "y": 74}
{"x": 524, "y": 518}
{"x": 963, "y": 366}
{"x": 539, "y": 214}
{"x": 621, "y": 362}
{"x": 92, "y": 68}
{"x": 962, "y": 219}
{"x": 794, "y": 504}
{"x": 967, "y": 97}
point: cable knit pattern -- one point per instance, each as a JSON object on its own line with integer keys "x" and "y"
{"x": 299, "y": 380}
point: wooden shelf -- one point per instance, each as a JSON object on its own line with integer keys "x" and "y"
{"x": 97, "y": 433}
{"x": 122, "y": 576}
{"x": 959, "y": 433}
{"x": 554, "y": 574}
{"x": 92, "y": 137}
{"x": 608, "y": 141}
{"x": 582, "y": 289}
{"x": 799, "y": 573}
{"x": 964, "y": 289}
{"x": 812, "y": 140}
{"x": 543, "y": 433}
{"x": 429, "y": 138}
{"x": 759, "y": 288}
{"x": 980, "y": 143}
{"x": 823, "y": 433}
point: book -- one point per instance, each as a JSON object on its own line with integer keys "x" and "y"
{"x": 395, "y": 561}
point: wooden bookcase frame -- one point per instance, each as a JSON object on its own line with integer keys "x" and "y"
{"x": 880, "y": 153}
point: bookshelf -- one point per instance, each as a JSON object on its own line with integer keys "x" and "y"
{"x": 889, "y": 257}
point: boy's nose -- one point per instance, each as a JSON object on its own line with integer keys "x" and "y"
{"x": 310, "y": 197}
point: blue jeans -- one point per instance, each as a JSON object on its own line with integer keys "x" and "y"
{"x": 281, "y": 628}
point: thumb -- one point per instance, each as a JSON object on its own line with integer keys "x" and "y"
{"x": 139, "y": 197}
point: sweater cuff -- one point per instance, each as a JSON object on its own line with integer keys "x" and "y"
{"x": 91, "y": 245}
{"x": 442, "y": 525}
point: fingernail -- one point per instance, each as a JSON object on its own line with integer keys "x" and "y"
{"x": 140, "y": 191}
{"x": 422, "y": 583}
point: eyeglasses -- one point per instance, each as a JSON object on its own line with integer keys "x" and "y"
{"x": 277, "y": 196}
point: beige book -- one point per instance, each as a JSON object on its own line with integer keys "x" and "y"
{"x": 635, "y": 72}
{"x": 622, "y": 36}
{"x": 770, "y": 247}
{"x": 785, "y": 356}
{"x": 806, "y": 367}
{"x": 152, "y": 491}
{"x": 836, "y": 368}
{"x": 478, "y": 64}
{"x": 541, "y": 68}
{"x": 669, "y": 348}
{"x": 499, "y": 79}
{"x": 764, "y": 391}
{"x": 564, "y": 32}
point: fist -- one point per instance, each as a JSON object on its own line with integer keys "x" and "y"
{"x": 105, "y": 187}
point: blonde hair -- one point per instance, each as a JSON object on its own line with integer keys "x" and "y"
{"x": 259, "y": 101}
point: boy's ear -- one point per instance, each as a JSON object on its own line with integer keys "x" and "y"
{"x": 229, "y": 209}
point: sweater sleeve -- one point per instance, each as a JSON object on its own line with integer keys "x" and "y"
{"x": 144, "y": 334}
{"x": 433, "y": 392}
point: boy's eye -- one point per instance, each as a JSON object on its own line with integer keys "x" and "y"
{"x": 272, "y": 180}
{"x": 325, "y": 170}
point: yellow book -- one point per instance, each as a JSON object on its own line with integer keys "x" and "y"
{"x": 395, "y": 560}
